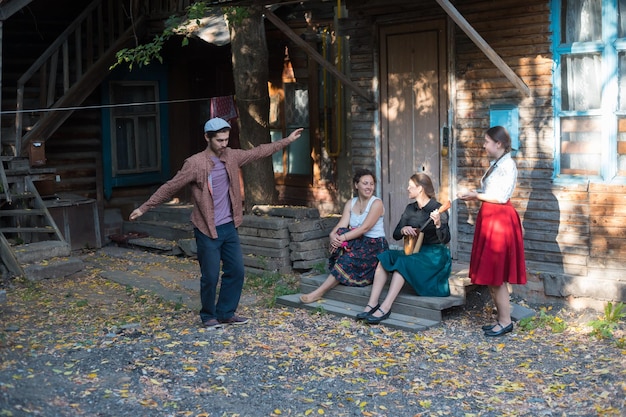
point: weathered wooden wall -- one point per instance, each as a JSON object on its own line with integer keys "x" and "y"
{"x": 518, "y": 31}
{"x": 574, "y": 232}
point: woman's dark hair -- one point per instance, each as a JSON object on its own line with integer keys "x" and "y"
{"x": 360, "y": 172}
{"x": 425, "y": 181}
{"x": 499, "y": 134}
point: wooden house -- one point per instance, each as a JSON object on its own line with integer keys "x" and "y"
{"x": 397, "y": 86}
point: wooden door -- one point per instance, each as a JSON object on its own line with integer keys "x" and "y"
{"x": 413, "y": 111}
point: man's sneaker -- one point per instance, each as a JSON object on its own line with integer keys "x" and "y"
{"x": 235, "y": 320}
{"x": 212, "y": 324}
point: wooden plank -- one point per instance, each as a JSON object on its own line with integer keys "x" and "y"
{"x": 396, "y": 321}
{"x": 11, "y": 7}
{"x": 484, "y": 46}
{"x": 315, "y": 55}
{"x": 8, "y": 257}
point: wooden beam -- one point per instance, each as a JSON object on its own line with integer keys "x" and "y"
{"x": 12, "y": 7}
{"x": 484, "y": 46}
{"x": 315, "y": 55}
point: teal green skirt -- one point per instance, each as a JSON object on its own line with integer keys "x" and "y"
{"x": 426, "y": 271}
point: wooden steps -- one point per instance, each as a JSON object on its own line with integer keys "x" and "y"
{"x": 410, "y": 312}
{"x": 167, "y": 222}
{"x": 31, "y": 244}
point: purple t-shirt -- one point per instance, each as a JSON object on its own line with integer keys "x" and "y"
{"x": 218, "y": 183}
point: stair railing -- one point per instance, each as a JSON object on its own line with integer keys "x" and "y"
{"x": 74, "y": 52}
{"x": 88, "y": 37}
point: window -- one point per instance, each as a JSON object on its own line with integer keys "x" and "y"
{"x": 590, "y": 90}
{"x": 135, "y": 128}
{"x": 290, "y": 106}
{"x": 135, "y": 136}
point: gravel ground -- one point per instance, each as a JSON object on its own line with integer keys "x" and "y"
{"x": 85, "y": 346}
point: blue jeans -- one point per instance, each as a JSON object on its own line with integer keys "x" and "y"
{"x": 226, "y": 249}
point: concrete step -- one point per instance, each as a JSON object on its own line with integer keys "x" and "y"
{"x": 341, "y": 308}
{"x": 39, "y": 251}
{"x": 160, "y": 229}
{"x": 175, "y": 213}
{"x": 53, "y": 268}
{"x": 153, "y": 244}
{"x": 408, "y": 303}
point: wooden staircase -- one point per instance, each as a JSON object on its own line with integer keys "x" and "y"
{"x": 31, "y": 244}
{"x": 410, "y": 312}
{"x": 69, "y": 70}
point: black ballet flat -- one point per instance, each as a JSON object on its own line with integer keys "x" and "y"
{"x": 488, "y": 327}
{"x": 501, "y": 332}
{"x": 375, "y": 320}
{"x": 365, "y": 314}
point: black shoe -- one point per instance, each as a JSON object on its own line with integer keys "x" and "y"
{"x": 375, "y": 320}
{"x": 501, "y": 332}
{"x": 488, "y": 327}
{"x": 364, "y": 315}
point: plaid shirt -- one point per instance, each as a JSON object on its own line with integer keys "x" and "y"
{"x": 195, "y": 172}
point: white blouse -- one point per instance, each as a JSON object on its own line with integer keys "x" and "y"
{"x": 499, "y": 185}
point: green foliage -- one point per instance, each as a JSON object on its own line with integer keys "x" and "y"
{"x": 604, "y": 327}
{"x": 319, "y": 311}
{"x": 82, "y": 303}
{"x": 270, "y": 286}
{"x": 179, "y": 304}
{"x": 144, "y": 54}
{"x": 544, "y": 320}
{"x": 319, "y": 267}
{"x": 236, "y": 15}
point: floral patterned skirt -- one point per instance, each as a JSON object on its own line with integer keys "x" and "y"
{"x": 355, "y": 264}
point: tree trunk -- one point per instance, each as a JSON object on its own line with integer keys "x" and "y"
{"x": 251, "y": 73}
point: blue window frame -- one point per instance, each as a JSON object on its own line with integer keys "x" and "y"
{"x": 590, "y": 89}
{"x": 134, "y": 128}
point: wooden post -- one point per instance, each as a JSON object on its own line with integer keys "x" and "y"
{"x": 484, "y": 46}
{"x": 315, "y": 55}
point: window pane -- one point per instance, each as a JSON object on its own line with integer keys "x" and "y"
{"x": 581, "y": 81}
{"x": 299, "y": 155}
{"x": 124, "y": 144}
{"x": 296, "y": 105}
{"x": 277, "y": 157}
{"x": 621, "y": 146}
{"x": 621, "y": 74}
{"x": 297, "y": 115}
{"x": 621, "y": 29}
{"x": 581, "y": 138}
{"x": 126, "y": 94}
{"x": 581, "y": 21}
{"x": 136, "y": 138}
{"x": 148, "y": 143}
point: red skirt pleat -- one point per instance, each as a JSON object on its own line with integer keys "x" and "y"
{"x": 498, "y": 248}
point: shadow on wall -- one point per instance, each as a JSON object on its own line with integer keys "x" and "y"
{"x": 544, "y": 258}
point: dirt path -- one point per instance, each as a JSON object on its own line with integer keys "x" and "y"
{"x": 89, "y": 346}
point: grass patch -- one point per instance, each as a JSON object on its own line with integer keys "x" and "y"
{"x": 271, "y": 285}
{"x": 544, "y": 320}
{"x": 604, "y": 326}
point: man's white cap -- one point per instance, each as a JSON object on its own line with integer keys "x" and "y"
{"x": 215, "y": 124}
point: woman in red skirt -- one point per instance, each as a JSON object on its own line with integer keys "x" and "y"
{"x": 498, "y": 248}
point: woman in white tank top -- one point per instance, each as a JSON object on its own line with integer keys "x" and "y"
{"x": 356, "y": 240}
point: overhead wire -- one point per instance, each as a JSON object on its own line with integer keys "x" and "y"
{"x": 102, "y": 106}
